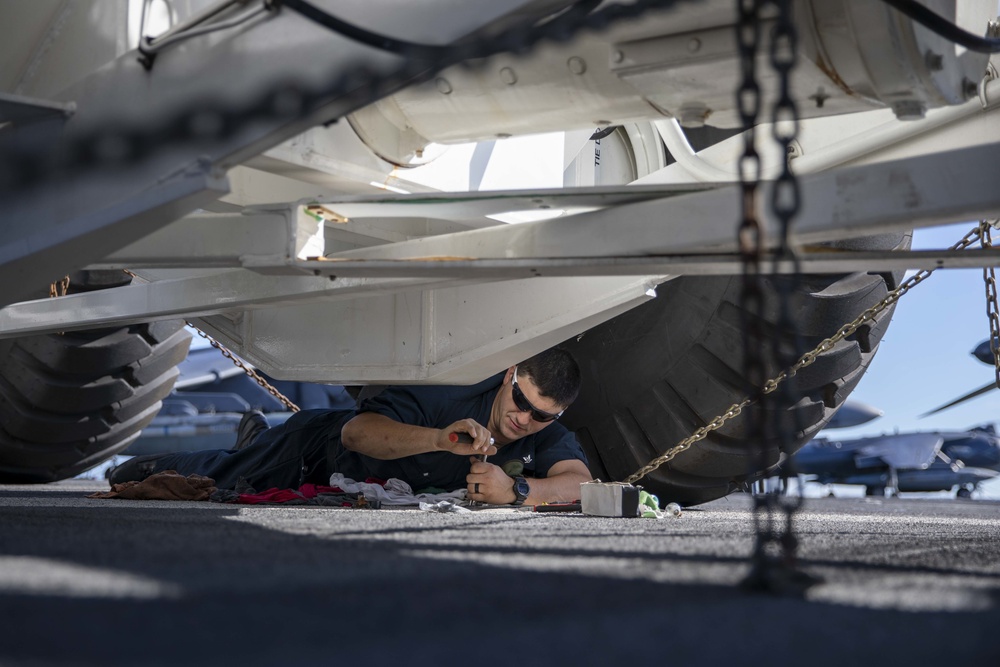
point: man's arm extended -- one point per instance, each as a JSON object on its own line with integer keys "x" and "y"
{"x": 380, "y": 437}
{"x": 561, "y": 484}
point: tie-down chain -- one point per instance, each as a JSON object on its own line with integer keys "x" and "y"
{"x": 992, "y": 306}
{"x": 805, "y": 360}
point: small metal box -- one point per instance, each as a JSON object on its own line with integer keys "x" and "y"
{"x": 609, "y": 499}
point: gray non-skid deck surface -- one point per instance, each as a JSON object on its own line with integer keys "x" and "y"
{"x": 122, "y": 582}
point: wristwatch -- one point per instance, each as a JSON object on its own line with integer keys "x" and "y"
{"x": 521, "y": 490}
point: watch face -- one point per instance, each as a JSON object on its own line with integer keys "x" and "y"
{"x": 521, "y": 488}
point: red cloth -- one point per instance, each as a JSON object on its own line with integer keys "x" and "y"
{"x": 304, "y": 492}
{"x": 276, "y": 495}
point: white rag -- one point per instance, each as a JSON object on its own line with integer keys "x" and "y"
{"x": 395, "y": 491}
{"x": 445, "y": 507}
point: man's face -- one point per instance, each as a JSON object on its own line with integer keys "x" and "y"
{"x": 514, "y": 423}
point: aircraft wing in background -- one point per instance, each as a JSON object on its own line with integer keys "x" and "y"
{"x": 906, "y": 451}
{"x": 911, "y": 462}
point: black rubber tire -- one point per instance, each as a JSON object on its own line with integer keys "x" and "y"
{"x": 657, "y": 373}
{"x": 70, "y": 401}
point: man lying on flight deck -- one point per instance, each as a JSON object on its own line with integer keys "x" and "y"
{"x": 403, "y": 432}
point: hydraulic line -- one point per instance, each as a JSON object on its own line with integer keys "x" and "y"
{"x": 149, "y": 48}
{"x": 442, "y": 54}
{"x": 940, "y": 26}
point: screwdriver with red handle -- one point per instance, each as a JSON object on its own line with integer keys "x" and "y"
{"x": 465, "y": 439}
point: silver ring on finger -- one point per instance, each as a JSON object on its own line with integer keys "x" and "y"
{"x": 475, "y": 488}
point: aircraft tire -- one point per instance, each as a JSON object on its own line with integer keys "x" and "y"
{"x": 655, "y": 374}
{"x": 69, "y": 401}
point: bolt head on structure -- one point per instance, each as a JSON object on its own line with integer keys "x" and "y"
{"x": 909, "y": 109}
{"x": 693, "y": 115}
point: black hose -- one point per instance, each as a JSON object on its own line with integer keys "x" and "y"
{"x": 446, "y": 54}
{"x": 940, "y": 26}
{"x": 373, "y": 39}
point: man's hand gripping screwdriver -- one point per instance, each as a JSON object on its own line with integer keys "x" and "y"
{"x": 466, "y": 439}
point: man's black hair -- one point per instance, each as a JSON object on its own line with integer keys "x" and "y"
{"x": 555, "y": 373}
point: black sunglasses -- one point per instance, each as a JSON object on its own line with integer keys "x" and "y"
{"x": 524, "y": 405}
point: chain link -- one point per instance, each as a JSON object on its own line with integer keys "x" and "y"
{"x": 770, "y": 571}
{"x": 717, "y": 423}
{"x": 750, "y": 234}
{"x": 748, "y": 102}
{"x": 785, "y": 194}
{"x": 254, "y": 375}
{"x": 785, "y": 200}
{"x": 992, "y": 306}
{"x": 805, "y": 360}
{"x": 59, "y": 288}
{"x": 23, "y": 165}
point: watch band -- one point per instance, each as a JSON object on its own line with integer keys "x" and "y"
{"x": 521, "y": 490}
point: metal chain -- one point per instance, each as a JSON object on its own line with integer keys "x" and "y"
{"x": 774, "y": 557}
{"x": 785, "y": 195}
{"x": 805, "y": 360}
{"x": 685, "y": 444}
{"x": 750, "y": 234}
{"x": 254, "y": 375}
{"x": 992, "y": 305}
{"x": 59, "y": 288}
{"x": 748, "y": 102}
{"x": 23, "y": 166}
{"x": 786, "y": 199}
{"x": 246, "y": 369}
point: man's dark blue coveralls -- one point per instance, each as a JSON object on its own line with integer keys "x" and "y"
{"x": 307, "y": 448}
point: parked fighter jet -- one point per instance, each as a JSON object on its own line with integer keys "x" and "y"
{"x": 933, "y": 461}
{"x": 916, "y": 461}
